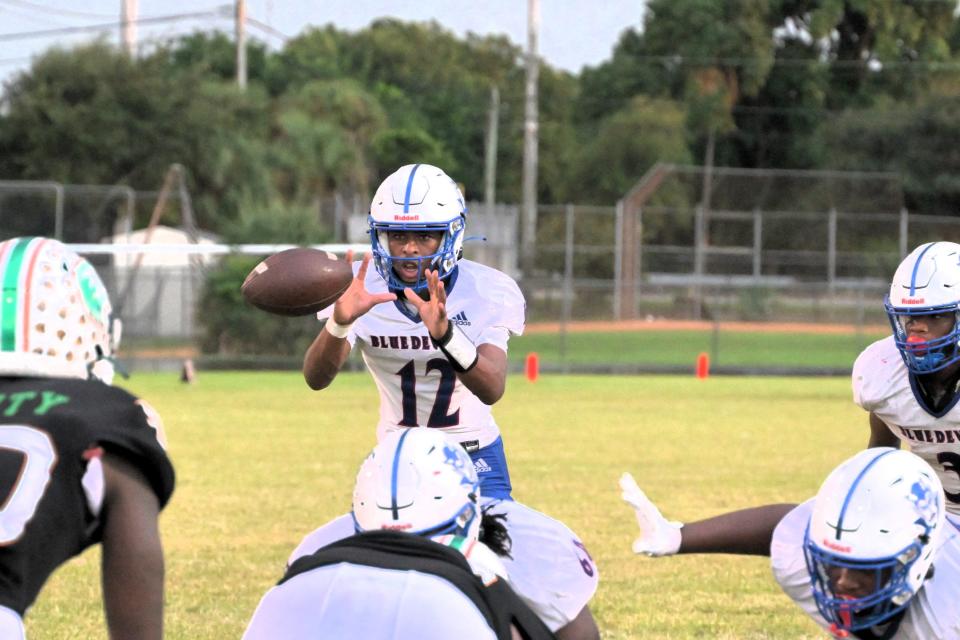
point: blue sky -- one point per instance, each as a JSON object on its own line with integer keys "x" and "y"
{"x": 573, "y": 33}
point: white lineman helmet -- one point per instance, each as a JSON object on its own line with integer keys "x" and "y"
{"x": 881, "y": 512}
{"x": 54, "y": 314}
{"x": 417, "y": 197}
{"x": 416, "y": 481}
{"x": 926, "y": 282}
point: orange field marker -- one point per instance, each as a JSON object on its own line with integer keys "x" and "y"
{"x": 703, "y": 366}
{"x": 533, "y": 366}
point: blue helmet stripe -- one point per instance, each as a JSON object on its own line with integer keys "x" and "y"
{"x": 916, "y": 265}
{"x": 393, "y": 477}
{"x": 853, "y": 488}
{"x": 406, "y": 196}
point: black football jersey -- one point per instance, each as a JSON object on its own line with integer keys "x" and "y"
{"x": 50, "y": 428}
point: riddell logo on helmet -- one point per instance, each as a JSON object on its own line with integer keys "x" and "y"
{"x": 836, "y": 547}
{"x": 911, "y": 300}
{"x": 406, "y": 218}
{"x": 397, "y": 527}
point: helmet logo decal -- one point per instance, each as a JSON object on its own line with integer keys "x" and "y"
{"x": 456, "y": 461}
{"x": 93, "y": 293}
{"x": 836, "y": 547}
{"x": 925, "y": 500}
{"x": 911, "y": 300}
{"x": 410, "y": 218}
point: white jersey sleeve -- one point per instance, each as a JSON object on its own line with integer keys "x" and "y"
{"x": 932, "y": 612}
{"x": 507, "y": 306}
{"x": 550, "y": 568}
{"x": 876, "y": 372}
{"x": 11, "y": 625}
{"x": 883, "y": 386}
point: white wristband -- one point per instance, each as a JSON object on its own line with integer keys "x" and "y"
{"x": 461, "y": 353}
{"x": 336, "y": 329}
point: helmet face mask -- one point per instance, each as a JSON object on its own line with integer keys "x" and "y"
{"x": 927, "y": 283}
{"x": 417, "y": 198}
{"x": 56, "y": 314}
{"x": 417, "y": 482}
{"x": 872, "y": 537}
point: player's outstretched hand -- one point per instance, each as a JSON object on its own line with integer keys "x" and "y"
{"x": 433, "y": 312}
{"x": 356, "y": 300}
{"x": 658, "y": 536}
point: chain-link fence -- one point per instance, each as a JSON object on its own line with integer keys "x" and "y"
{"x": 684, "y": 247}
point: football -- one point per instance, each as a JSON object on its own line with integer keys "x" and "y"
{"x": 297, "y": 282}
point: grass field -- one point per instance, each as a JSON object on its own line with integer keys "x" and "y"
{"x": 726, "y": 348}
{"x": 261, "y": 461}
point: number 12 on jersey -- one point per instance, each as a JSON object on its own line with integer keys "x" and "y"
{"x": 441, "y": 404}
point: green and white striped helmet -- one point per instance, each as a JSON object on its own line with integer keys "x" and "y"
{"x": 54, "y": 313}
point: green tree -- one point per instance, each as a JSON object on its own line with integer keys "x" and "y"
{"x": 91, "y": 115}
{"x": 627, "y": 144}
{"x": 916, "y": 141}
{"x": 874, "y": 46}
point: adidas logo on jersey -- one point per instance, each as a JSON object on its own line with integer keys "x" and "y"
{"x": 460, "y": 319}
{"x": 481, "y": 466}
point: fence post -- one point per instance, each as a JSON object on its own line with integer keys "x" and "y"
{"x": 903, "y": 232}
{"x": 618, "y": 261}
{"x": 58, "y": 213}
{"x": 698, "y": 260}
{"x": 757, "y": 242}
{"x": 567, "y": 284}
{"x": 832, "y": 250}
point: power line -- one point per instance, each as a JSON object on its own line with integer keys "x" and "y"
{"x": 26, "y": 35}
{"x": 253, "y": 22}
{"x": 678, "y": 60}
{"x": 8, "y": 61}
{"x": 29, "y": 16}
{"x": 55, "y": 11}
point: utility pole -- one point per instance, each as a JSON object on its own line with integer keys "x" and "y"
{"x": 530, "y": 144}
{"x": 128, "y": 29}
{"x": 490, "y": 169}
{"x": 241, "y": 28}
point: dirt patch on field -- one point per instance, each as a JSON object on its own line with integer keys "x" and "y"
{"x": 599, "y": 326}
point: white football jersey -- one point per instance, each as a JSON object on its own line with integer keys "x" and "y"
{"x": 933, "y": 611}
{"x": 550, "y": 568}
{"x": 417, "y": 384}
{"x": 354, "y": 601}
{"x": 11, "y": 625}
{"x": 881, "y": 385}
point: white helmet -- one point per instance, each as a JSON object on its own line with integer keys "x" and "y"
{"x": 926, "y": 282}
{"x": 880, "y": 511}
{"x": 416, "y": 481}
{"x": 55, "y": 313}
{"x": 417, "y": 197}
